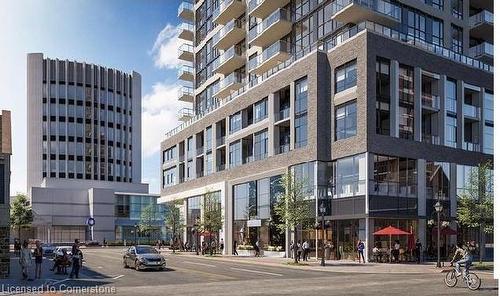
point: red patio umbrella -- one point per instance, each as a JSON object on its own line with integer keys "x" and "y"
{"x": 390, "y": 231}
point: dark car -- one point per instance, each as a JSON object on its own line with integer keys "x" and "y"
{"x": 143, "y": 257}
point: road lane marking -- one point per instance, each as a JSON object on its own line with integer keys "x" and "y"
{"x": 256, "y": 271}
{"x": 117, "y": 277}
{"x": 197, "y": 263}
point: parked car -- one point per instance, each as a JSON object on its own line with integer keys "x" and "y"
{"x": 48, "y": 250}
{"x": 143, "y": 257}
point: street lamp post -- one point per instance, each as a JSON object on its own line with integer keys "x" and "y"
{"x": 322, "y": 210}
{"x": 439, "y": 208}
{"x": 196, "y": 225}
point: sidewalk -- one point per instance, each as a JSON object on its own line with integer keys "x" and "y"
{"x": 345, "y": 266}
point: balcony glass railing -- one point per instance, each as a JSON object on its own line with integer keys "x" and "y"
{"x": 279, "y": 15}
{"x": 229, "y": 80}
{"x": 475, "y": 147}
{"x": 184, "y": 69}
{"x": 282, "y": 148}
{"x": 185, "y": 112}
{"x": 227, "y": 55}
{"x": 186, "y": 27}
{"x": 380, "y": 6}
{"x": 185, "y": 48}
{"x": 472, "y": 111}
{"x": 484, "y": 48}
{"x": 222, "y": 6}
{"x": 330, "y": 44}
{"x": 226, "y": 29}
{"x": 252, "y": 4}
{"x": 282, "y": 114}
{"x": 431, "y": 101}
{"x": 431, "y": 139}
{"x": 392, "y": 188}
{"x": 220, "y": 141}
{"x": 481, "y": 17}
{"x": 185, "y": 6}
{"x": 186, "y": 91}
{"x": 272, "y": 50}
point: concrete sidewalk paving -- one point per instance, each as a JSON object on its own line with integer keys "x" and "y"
{"x": 344, "y": 266}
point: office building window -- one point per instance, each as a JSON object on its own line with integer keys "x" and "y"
{"x": 260, "y": 146}
{"x": 345, "y": 121}
{"x": 168, "y": 177}
{"x": 451, "y": 131}
{"x": 301, "y": 103}
{"x": 457, "y": 8}
{"x": 190, "y": 170}
{"x": 235, "y": 154}
{"x": 260, "y": 110}
{"x": 345, "y": 76}
{"x": 235, "y": 122}
{"x": 451, "y": 95}
{"x": 488, "y": 138}
{"x": 208, "y": 163}
{"x": 208, "y": 138}
{"x": 383, "y": 96}
{"x": 406, "y": 102}
{"x": 488, "y": 106}
{"x": 457, "y": 37}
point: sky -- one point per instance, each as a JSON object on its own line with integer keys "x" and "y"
{"x": 130, "y": 35}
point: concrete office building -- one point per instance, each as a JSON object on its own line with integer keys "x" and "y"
{"x": 5, "y": 153}
{"x": 84, "y": 148}
{"x": 382, "y": 106}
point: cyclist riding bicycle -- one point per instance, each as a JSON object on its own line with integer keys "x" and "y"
{"x": 463, "y": 251}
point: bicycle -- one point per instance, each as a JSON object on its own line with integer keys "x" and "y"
{"x": 471, "y": 279}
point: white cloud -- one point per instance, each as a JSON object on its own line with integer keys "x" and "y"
{"x": 164, "y": 50}
{"x": 159, "y": 115}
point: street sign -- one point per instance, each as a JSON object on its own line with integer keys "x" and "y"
{"x": 254, "y": 223}
{"x": 90, "y": 221}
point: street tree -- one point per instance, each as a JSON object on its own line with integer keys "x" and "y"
{"x": 174, "y": 220}
{"x": 475, "y": 203}
{"x": 292, "y": 209}
{"x": 212, "y": 216}
{"x": 21, "y": 213}
{"x": 147, "y": 223}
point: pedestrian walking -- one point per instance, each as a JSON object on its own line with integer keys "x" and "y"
{"x": 305, "y": 250}
{"x": 76, "y": 260}
{"x": 299, "y": 250}
{"x": 256, "y": 248}
{"x": 38, "y": 253}
{"x": 25, "y": 259}
{"x": 17, "y": 247}
{"x": 292, "y": 248}
{"x": 397, "y": 246}
{"x": 418, "y": 248}
{"x": 361, "y": 251}
{"x": 235, "y": 248}
{"x": 221, "y": 245}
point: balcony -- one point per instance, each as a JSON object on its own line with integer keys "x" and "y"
{"x": 482, "y": 52}
{"x": 229, "y": 61}
{"x": 262, "y": 8}
{"x": 186, "y": 73}
{"x": 230, "y": 83}
{"x": 282, "y": 115}
{"x": 272, "y": 28}
{"x": 481, "y": 26}
{"x": 475, "y": 147}
{"x": 377, "y": 11}
{"x": 185, "y": 114}
{"x": 431, "y": 139}
{"x": 186, "y": 52}
{"x": 186, "y": 32}
{"x": 221, "y": 141}
{"x": 391, "y": 188}
{"x": 186, "y": 94}
{"x": 472, "y": 112}
{"x": 186, "y": 11}
{"x": 227, "y": 10}
{"x": 221, "y": 167}
{"x": 270, "y": 57}
{"x": 284, "y": 148}
{"x": 431, "y": 101}
{"x": 200, "y": 150}
{"x": 232, "y": 33}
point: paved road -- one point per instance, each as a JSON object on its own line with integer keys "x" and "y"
{"x": 188, "y": 275}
